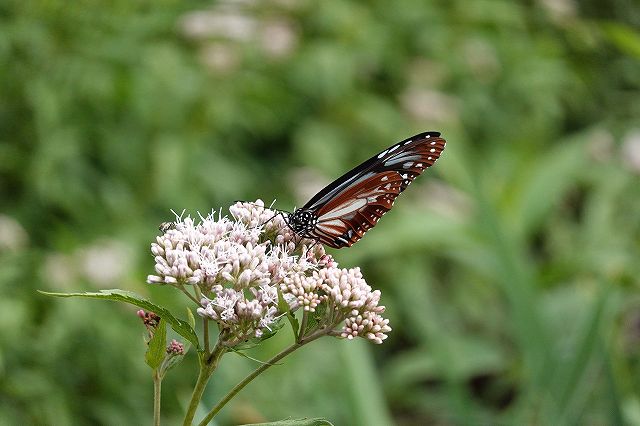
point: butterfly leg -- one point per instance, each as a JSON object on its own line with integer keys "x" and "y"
{"x": 315, "y": 243}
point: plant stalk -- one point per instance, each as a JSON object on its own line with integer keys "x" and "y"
{"x": 157, "y": 392}
{"x": 237, "y": 388}
{"x": 208, "y": 364}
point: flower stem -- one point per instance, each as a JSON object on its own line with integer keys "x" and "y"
{"x": 237, "y": 388}
{"x": 157, "y": 392}
{"x": 189, "y": 295}
{"x": 303, "y": 326}
{"x": 208, "y": 364}
{"x": 205, "y": 332}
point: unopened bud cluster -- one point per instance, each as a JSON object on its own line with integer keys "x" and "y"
{"x": 175, "y": 348}
{"x": 242, "y": 266}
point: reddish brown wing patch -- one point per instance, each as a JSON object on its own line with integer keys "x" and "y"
{"x": 344, "y": 220}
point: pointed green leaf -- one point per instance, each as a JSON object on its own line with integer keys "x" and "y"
{"x": 254, "y": 341}
{"x": 283, "y": 306}
{"x": 295, "y": 422}
{"x": 179, "y": 326}
{"x": 173, "y": 361}
{"x": 242, "y": 354}
{"x": 314, "y": 318}
{"x": 156, "y": 350}
{"x": 192, "y": 319}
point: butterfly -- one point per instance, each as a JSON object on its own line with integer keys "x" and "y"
{"x": 342, "y": 212}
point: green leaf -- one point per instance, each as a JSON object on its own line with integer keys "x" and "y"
{"x": 295, "y": 422}
{"x": 624, "y": 37}
{"x": 173, "y": 361}
{"x": 242, "y": 354}
{"x": 191, "y": 318}
{"x": 545, "y": 183}
{"x": 314, "y": 318}
{"x": 156, "y": 351}
{"x": 179, "y": 326}
{"x": 267, "y": 334}
{"x": 283, "y": 306}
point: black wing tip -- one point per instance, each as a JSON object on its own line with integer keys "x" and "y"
{"x": 430, "y": 134}
{"x": 421, "y": 136}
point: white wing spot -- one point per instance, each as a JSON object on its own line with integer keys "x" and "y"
{"x": 432, "y": 150}
{"x": 393, "y": 148}
{"x": 430, "y": 158}
{"x": 385, "y": 178}
{"x": 420, "y": 165}
{"x": 404, "y": 176}
{"x": 407, "y": 164}
{"x": 407, "y": 142}
{"x": 387, "y": 186}
{"x": 382, "y": 153}
{"x": 433, "y": 143}
{"x": 428, "y": 136}
{"x": 371, "y": 199}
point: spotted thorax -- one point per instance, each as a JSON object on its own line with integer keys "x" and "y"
{"x": 302, "y": 221}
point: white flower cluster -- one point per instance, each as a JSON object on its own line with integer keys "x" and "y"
{"x": 347, "y": 297}
{"x": 238, "y": 266}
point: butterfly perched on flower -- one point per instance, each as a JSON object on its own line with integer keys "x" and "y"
{"x": 340, "y": 214}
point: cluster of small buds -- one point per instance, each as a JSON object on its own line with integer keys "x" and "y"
{"x": 347, "y": 297}
{"x": 240, "y": 264}
{"x": 301, "y": 291}
{"x": 370, "y": 325}
{"x": 175, "y": 348}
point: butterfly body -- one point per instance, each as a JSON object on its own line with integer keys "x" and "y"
{"x": 302, "y": 222}
{"x": 342, "y": 212}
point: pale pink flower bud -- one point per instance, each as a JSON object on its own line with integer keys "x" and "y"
{"x": 175, "y": 348}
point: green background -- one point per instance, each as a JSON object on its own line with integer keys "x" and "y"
{"x": 509, "y": 271}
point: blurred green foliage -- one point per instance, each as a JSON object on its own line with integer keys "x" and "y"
{"x": 510, "y": 271}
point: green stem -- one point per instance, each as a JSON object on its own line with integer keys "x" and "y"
{"x": 303, "y": 326}
{"x": 205, "y": 332}
{"x": 189, "y": 295}
{"x": 157, "y": 391}
{"x": 237, "y": 388}
{"x": 208, "y": 364}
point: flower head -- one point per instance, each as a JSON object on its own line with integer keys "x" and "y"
{"x": 244, "y": 265}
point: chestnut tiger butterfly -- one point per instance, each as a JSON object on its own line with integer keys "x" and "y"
{"x": 342, "y": 212}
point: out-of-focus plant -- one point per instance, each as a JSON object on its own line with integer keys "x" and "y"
{"x": 248, "y": 275}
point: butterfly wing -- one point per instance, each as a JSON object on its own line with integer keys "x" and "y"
{"x": 353, "y": 204}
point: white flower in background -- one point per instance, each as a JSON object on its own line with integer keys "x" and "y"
{"x": 219, "y": 56}
{"x": 241, "y": 266}
{"x": 278, "y": 38}
{"x": 12, "y": 234}
{"x": 429, "y": 105}
{"x": 106, "y": 262}
{"x": 229, "y": 24}
{"x": 560, "y": 11}
{"x": 631, "y": 150}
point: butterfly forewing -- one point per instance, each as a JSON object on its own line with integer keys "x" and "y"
{"x": 353, "y": 204}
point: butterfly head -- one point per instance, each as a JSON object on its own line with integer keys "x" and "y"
{"x": 302, "y": 221}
